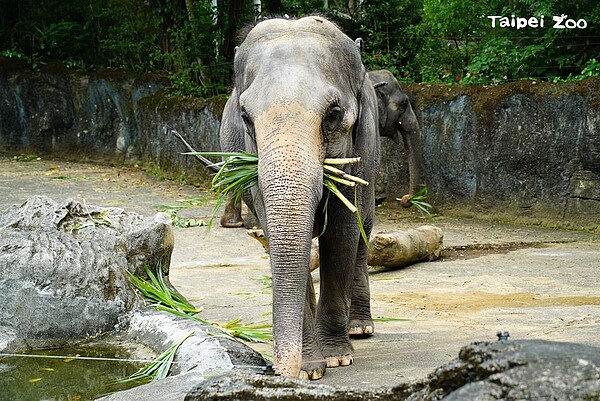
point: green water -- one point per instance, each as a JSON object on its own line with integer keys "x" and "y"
{"x": 64, "y": 379}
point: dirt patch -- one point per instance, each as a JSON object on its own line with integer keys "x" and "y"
{"x": 473, "y": 251}
{"x": 474, "y": 301}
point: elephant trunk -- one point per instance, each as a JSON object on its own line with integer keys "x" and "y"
{"x": 411, "y": 135}
{"x": 290, "y": 174}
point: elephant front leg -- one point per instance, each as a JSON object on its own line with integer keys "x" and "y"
{"x": 338, "y": 250}
{"x": 313, "y": 362}
{"x": 361, "y": 321}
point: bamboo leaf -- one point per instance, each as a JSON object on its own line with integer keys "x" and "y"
{"x": 159, "y": 368}
{"x": 238, "y": 173}
{"x": 418, "y": 201}
{"x": 165, "y": 299}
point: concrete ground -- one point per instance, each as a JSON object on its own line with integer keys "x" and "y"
{"x": 535, "y": 283}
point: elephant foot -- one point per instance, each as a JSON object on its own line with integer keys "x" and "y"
{"x": 232, "y": 221}
{"x": 361, "y": 328}
{"x": 312, "y": 374}
{"x": 340, "y": 355}
{"x": 335, "y": 361}
{"x": 313, "y": 367}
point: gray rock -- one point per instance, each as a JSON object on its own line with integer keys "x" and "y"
{"x": 246, "y": 386}
{"x": 519, "y": 370}
{"x": 63, "y": 269}
{"x": 208, "y": 352}
{"x": 64, "y": 277}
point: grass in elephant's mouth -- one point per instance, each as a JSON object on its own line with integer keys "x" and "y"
{"x": 238, "y": 172}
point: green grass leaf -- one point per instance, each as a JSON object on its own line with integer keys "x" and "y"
{"x": 155, "y": 289}
{"x": 255, "y": 333}
{"x": 166, "y": 299}
{"x": 158, "y": 369}
{"x": 418, "y": 201}
{"x": 390, "y": 319}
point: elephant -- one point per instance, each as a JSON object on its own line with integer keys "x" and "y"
{"x": 301, "y": 94}
{"x": 396, "y": 118}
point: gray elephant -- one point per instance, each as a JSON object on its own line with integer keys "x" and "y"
{"x": 396, "y": 118}
{"x": 301, "y": 94}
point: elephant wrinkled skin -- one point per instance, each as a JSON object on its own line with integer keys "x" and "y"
{"x": 301, "y": 94}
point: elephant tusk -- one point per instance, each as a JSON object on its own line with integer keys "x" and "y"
{"x": 341, "y": 160}
{"x": 349, "y": 179}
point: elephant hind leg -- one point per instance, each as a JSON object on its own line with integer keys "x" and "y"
{"x": 338, "y": 257}
{"x": 361, "y": 323}
{"x": 232, "y": 217}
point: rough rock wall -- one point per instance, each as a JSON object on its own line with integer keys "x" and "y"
{"x": 197, "y": 120}
{"x": 524, "y": 149}
{"x": 70, "y": 113}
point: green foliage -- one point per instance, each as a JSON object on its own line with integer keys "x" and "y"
{"x": 478, "y": 53}
{"x": 418, "y": 201}
{"x": 166, "y": 299}
{"x": 591, "y": 69}
{"x": 388, "y": 29}
{"x": 449, "y": 41}
{"x": 158, "y": 369}
{"x": 238, "y": 173}
{"x": 156, "y": 290}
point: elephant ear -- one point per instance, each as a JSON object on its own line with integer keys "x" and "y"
{"x": 366, "y": 129}
{"x": 231, "y": 132}
{"x": 382, "y": 103}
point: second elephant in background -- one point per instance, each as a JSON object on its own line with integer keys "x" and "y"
{"x": 397, "y": 119}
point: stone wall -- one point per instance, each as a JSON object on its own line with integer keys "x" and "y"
{"x": 527, "y": 149}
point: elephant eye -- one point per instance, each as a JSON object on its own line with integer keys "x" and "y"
{"x": 248, "y": 123}
{"x": 333, "y": 118}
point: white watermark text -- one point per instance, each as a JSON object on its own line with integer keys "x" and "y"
{"x": 558, "y": 22}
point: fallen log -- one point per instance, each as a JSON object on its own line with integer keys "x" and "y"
{"x": 391, "y": 249}
{"x": 400, "y": 248}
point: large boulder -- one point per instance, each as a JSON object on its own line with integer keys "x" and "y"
{"x": 64, "y": 269}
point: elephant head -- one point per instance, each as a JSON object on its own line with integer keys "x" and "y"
{"x": 396, "y": 117}
{"x": 301, "y": 94}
